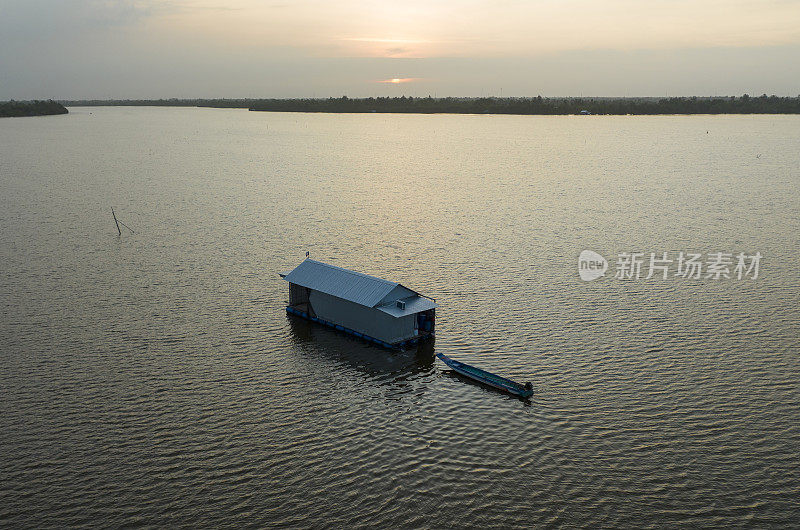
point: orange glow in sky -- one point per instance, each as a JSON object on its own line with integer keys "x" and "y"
{"x": 398, "y": 80}
{"x": 466, "y": 47}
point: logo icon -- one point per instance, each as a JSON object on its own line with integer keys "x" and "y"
{"x": 591, "y": 265}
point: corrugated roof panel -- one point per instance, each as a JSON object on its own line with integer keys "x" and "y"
{"x": 398, "y": 293}
{"x": 353, "y": 286}
{"x": 415, "y": 304}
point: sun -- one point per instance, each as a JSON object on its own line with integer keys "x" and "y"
{"x": 399, "y": 80}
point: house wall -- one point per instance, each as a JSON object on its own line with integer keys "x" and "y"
{"x": 297, "y": 294}
{"x": 363, "y": 319}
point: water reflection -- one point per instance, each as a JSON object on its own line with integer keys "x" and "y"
{"x": 452, "y": 374}
{"x": 380, "y": 365}
{"x": 157, "y": 378}
{"x": 377, "y": 363}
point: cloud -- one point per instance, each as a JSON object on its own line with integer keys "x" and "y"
{"x": 32, "y": 17}
{"x": 395, "y": 52}
{"x": 372, "y": 39}
{"x": 181, "y": 48}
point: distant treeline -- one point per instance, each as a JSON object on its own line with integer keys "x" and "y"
{"x": 539, "y": 105}
{"x": 536, "y": 105}
{"x": 174, "y": 102}
{"x": 11, "y": 109}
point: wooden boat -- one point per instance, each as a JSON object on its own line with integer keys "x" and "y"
{"x": 487, "y": 378}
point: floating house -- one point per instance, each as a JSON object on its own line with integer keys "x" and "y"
{"x": 379, "y": 311}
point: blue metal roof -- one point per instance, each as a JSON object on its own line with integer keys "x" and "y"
{"x": 414, "y": 304}
{"x": 353, "y": 286}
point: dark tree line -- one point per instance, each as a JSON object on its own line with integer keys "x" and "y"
{"x": 173, "y": 102}
{"x": 11, "y": 109}
{"x": 536, "y": 105}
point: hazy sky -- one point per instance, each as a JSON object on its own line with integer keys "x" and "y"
{"x": 245, "y": 48}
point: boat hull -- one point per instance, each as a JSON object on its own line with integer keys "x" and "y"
{"x": 487, "y": 378}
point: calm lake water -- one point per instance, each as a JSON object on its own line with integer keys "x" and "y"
{"x": 155, "y": 378}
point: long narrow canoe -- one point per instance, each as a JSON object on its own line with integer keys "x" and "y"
{"x": 487, "y": 378}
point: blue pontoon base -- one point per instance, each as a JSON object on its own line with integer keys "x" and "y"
{"x": 338, "y": 327}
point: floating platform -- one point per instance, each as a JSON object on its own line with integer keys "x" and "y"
{"x": 379, "y": 311}
{"x": 338, "y": 327}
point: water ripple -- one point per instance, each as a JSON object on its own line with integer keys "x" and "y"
{"x": 155, "y": 380}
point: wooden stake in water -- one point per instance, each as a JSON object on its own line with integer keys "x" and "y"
{"x": 115, "y": 220}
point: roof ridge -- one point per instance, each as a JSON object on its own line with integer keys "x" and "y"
{"x": 349, "y": 271}
{"x": 344, "y": 283}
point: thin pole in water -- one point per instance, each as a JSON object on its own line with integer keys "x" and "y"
{"x": 126, "y": 226}
{"x": 115, "y": 220}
